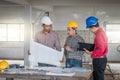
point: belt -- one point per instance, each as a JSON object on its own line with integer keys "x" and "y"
{"x": 102, "y": 56}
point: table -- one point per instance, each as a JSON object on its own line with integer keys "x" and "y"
{"x": 42, "y": 75}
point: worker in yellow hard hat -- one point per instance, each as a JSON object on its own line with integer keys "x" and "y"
{"x": 73, "y": 56}
{"x": 3, "y": 65}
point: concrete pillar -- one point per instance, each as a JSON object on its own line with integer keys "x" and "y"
{"x": 27, "y": 38}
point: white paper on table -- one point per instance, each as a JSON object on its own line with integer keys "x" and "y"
{"x": 55, "y": 71}
{"x": 44, "y": 54}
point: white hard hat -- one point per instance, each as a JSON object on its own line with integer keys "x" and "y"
{"x": 46, "y": 20}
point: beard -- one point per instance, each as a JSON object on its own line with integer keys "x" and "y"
{"x": 46, "y": 30}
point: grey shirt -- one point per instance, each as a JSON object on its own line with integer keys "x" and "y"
{"x": 72, "y": 41}
{"x": 51, "y": 39}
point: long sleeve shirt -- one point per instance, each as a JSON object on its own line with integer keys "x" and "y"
{"x": 72, "y": 42}
{"x": 101, "y": 44}
{"x": 51, "y": 39}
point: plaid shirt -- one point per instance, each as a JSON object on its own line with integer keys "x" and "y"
{"x": 72, "y": 41}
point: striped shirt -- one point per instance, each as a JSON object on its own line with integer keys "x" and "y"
{"x": 51, "y": 39}
{"x": 72, "y": 41}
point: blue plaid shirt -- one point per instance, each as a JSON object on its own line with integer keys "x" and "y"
{"x": 72, "y": 41}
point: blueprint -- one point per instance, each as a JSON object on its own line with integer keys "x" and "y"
{"x": 44, "y": 54}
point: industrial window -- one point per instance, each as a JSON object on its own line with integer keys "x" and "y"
{"x": 11, "y": 32}
{"x": 113, "y": 33}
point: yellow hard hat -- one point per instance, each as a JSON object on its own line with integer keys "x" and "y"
{"x": 72, "y": 24}
{"x": 3, "y": 65}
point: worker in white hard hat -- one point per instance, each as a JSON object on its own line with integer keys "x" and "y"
{"x": 47, "y": 36}
{"x": 73, "y": 56}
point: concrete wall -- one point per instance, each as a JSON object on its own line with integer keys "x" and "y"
{"x": 105, "y": 13}
{"x": 12, "y": 50}
{"x": 11, "y": 14}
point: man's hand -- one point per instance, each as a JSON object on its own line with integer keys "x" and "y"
{"x": 68, "y": 48}
{"x": 61, "y": 61}
{"x": 29, "y": 52}
{"x": 87, "y": 51}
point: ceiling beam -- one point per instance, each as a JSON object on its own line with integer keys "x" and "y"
{"x": 22, "y": 2}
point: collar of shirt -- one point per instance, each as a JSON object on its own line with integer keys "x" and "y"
{"x": 45, "y": 33}
{"x": 99, "y": 30}
{"x": 74, "y": 35}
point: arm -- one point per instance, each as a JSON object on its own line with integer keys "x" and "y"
{"x": 100, "y": 44}
{"x": 57, "y": 43}
{"x": 87, "y": 51}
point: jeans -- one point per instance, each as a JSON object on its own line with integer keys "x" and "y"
{"x": 73, "y": 63}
